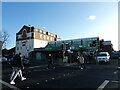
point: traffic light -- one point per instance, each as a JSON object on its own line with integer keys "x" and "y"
{"x": 101, "y": 44}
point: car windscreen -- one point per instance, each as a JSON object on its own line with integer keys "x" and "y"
{"x": 102, "y": 54}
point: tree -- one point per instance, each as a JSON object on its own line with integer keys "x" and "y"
{"x": 3, "y": 38}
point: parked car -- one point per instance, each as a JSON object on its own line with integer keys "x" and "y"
{"x": 3, "y": 59}
{"x": 103, "y": 57}
{"x": 10, "y": 60}
{"x": 115, "y": 55}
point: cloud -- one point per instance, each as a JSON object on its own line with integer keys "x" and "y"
{"x": 91, "y": 17}
{"x": 44, "y": 27}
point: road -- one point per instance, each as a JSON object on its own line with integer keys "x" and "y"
{"x": 94, "y": 76}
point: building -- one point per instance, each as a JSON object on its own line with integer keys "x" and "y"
{"x": 0, "y": 47}
{"x": 65, "y": 50}
{"x": 107, "y": 46}
{"x": 29, "y": 38}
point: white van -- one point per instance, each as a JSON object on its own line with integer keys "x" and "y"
{"x": 103, "y": 56}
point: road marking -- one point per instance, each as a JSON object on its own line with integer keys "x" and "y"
{"x": 38, "y": 83}
{"x": 115, "y": 81}
{"x": 46, "y": 80}
{"x": 28, "y": 87}
{"x": 53, "y": 78}
{"x": 10, "y": 86}
{"x": 115, "y": 72}
{"x": 35, "y": 66}
{"x": 101, "y": 87}
{"x": 118, "y": 67}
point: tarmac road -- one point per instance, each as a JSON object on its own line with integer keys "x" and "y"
{"x": 95, "y": 76}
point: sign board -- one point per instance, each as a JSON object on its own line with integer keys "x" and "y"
{"x": 75, "y": 44}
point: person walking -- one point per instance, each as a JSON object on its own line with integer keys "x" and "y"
{"x": 81, "y": 61}
{"x": 50, "y": 63}
{"x": 17, "y": 65}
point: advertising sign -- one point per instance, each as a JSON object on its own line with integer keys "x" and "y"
{"x": 75, "y": 44}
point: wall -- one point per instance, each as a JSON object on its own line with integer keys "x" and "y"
{"x": 24, "y": 47}
{"x": 39, "y": 43}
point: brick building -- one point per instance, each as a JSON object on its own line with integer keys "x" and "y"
{"x": 29, "y": 38}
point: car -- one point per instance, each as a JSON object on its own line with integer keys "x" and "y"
{"x": 103, "y": 57}
{"x": 3, "y": 59}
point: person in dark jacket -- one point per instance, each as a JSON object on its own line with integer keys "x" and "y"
{"x": 50, "y": 61}
{"x": 17, "y": 66}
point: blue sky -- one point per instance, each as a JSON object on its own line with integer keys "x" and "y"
{"x": 70, "y": 20}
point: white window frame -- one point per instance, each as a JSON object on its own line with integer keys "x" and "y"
{"x": 36, "y": 30}
{"x": 41, "y": 36}
{"x": 19, "y": 36}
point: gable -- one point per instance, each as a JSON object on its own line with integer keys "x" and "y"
{"x": 25, "y": 28}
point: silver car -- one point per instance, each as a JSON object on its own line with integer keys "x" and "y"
{"x": 103, "y": 57}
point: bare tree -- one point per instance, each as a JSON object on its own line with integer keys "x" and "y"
{"x": 3, "y": 38}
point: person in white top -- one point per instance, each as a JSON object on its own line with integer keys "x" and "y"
{"x": 81, "y": 61}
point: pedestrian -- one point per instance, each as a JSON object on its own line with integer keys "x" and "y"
{"x": 17, "y": 65}
{"x": 81, "y": 61}
{"x": 89, "y": 58}
{"x": 50, "y": 63}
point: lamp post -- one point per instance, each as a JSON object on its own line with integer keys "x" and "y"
{"x": 63, "y": 47}
{"x": 30, "y": 39}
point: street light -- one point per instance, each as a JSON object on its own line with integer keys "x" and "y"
{"x": 30, "y": 37}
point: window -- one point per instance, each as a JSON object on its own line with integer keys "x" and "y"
{"x": 41, "y": 35}
{"x": 17, "y": 48}
{"x": 51, "y": 38}
{"x": 54, "y": 35}
{"x": 48, "y": 33}
{"x": 28, "y": 34}
{"x": 40, "y": 31}
{"x": 44, "y": 32}
{"x": 19, "y": 36}
{"x": 36, "y": 30}
{"x": 32, "y": 34}
{"x": 44, "y": 37}
{"x": 17, "y": 43}
{"x": 24, "y": 33}
{"x": 23, "y": 43}
{"x": 51, "y": 34}
{"x": 48, "y": 37}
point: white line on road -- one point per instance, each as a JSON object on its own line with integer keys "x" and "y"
{"x": 35, "y": 66}
{"x": 101, "y": 87}
{"x": 115, "y": 72}
{"x": 118, "y": 67}
{"x": 38, "y": 66}
{"x": 115, "y": 81}
{"x": 10, "y": 86}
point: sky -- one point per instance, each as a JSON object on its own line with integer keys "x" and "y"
{"x": 70, "y": 20}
